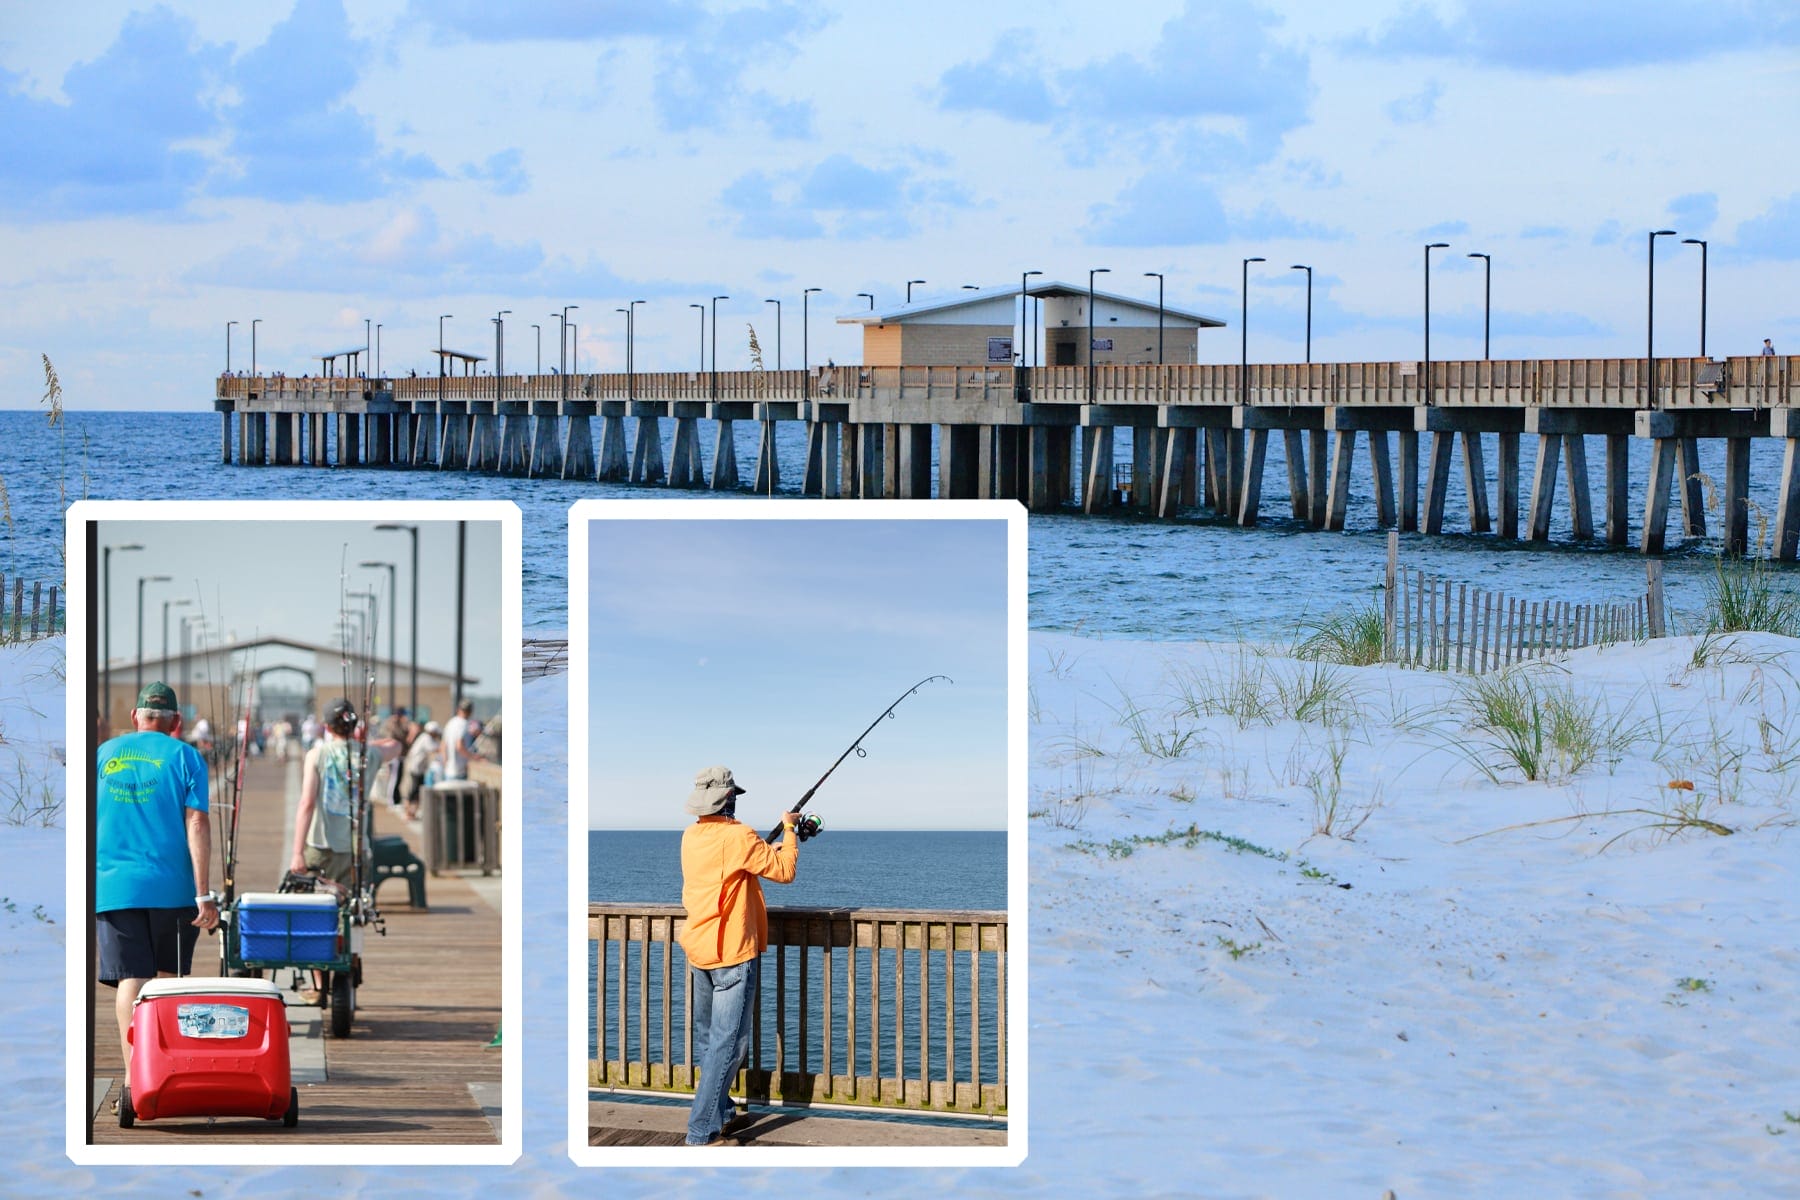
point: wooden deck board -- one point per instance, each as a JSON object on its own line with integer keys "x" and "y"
{"x": 428, "y": 1006}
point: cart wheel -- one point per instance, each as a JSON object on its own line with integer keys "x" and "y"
{"x": 291, "y": 1117}
{"x": 343, "y": 1003}
{"x": 127, "y": 1114}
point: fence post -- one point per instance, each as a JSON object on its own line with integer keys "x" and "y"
{"x": 1654, "y": 598}
{"x": 1393, "y": 565}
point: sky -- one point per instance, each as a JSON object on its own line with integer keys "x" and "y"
{"x": 767, "y": 646}
{"x": 292, "y": 578}
{"x": 167, "y": 169}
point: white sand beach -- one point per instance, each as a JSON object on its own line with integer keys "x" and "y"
{"x": 1224, "y": 1001}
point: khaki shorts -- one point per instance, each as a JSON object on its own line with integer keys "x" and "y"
{"x": 332, "y": 864}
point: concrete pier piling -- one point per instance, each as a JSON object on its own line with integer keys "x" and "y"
{"x": 1194, "y": 438}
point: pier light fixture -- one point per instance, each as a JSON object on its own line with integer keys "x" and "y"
{"x": 1244, "y": 330}
{"x": 909, "y": 288}
{"x": 1157, "y": 275}
{"x": 500, "y": 349}
{"x": 1700, "y": 242}
{"x": 413, "y": 697}
{"x": 805, "y": 361}
{"x": 368, "y": 345}
{"x": 228, "y": 326}
{"x": 393, "y": 623}
{"x": 1650, "y": 321}
{"x": 777, "y": 305}
{"x": 1090, "y": 329}
{"x": 574, "y": 348}
{"x": 441, "y": 319}
{"x": 1308, "y": 270}
{"x": 1487, "y": 296}
{"x": 378, "y": 349}
{"x": 702, "y": 308}
{"x": 253, "y": 325}
{"x": 871, "y": 299}
{"x": 971, "y": 287}
{"x": 563, "y": 365}
{"x": 713, "y": 384}
{"x": 106, "y": 554}
{"x": 1429, "y": 247}
{"x": 1026, "y": 331}
{"x": 142, "y": 580}
{"x": 167, "y": 605}
{"x": 631, "y": 337}
{"x": 538, "y": 330}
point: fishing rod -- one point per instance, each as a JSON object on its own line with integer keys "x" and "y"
{"x": 814, "y": 824}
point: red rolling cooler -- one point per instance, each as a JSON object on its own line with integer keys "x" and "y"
{"x": 209, "y": 1048}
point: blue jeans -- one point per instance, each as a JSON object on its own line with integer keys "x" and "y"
{"x": 724, "y": 999}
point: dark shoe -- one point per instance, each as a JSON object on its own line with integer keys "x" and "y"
{"x": 743, "y": 1120}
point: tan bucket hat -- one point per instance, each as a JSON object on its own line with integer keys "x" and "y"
{"x": 712, "y": 788}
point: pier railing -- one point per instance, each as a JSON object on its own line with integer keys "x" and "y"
{"x": 1605, "y": 383}
{"x": 866, "y": 1007}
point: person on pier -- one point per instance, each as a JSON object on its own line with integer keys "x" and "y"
{"x": 722, "y": 861}
{"x": 322, "y": 823}
{"x": 152, "y": 839}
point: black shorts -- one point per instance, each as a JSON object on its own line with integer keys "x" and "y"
{"x": 142, "y": 943}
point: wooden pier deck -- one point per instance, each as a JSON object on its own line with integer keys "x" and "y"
{"x": 417, "y": 1068}
{"x": 1197, "y": 435}
{"x": 626, "y": 1123}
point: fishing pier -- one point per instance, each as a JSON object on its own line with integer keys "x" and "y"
{"x": 1156, "y": 440}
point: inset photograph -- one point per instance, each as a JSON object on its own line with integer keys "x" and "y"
{"x": 294, "y": 855}
{"x": 797, "y": 833}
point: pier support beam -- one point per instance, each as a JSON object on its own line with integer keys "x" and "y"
{"x": 425, "y": 438}
{"x": 284, "y": 438}
{"x": 547, "y": 452}
{"x": 1618, "y": 489}
{"x": 959, "y": 461}
{"x": 615, "y": 463}
{"x": 1341, "y": 462}
{"x": 831, "y": 443}
{"x": 871, "y": 482}
{"x": 914, "y": 462}
{"x": 1676, "y": 462}
{"x": 725, "y": 463}
{"x": 1785, "y": 424}
{"x": 453, "y": 453}
{"x": 1409, "y": 481}
{"x": 1581, "y": 509}
{"x": 1656, "y": 495}
{"x": 1318, "y": 481}
{"x": 646, "y": 451}
{"x": 381, "y": 439}
{"x": 812, "y": 473}
{"x": 768, "y": 463}
{"x": 225, "y": 436}
{"x": 685, "y": 470}
{"x": 578, "y": 443}
{"x": 1293, "y": 442}
{"x": 349, "y": 439}
{"x": 1096, "y": 468}
{"x": 1437, "y": 479}
{"x": 499, "y": 442}
{"x": 1543, "y": 486}
{"x": 1693, "y": 495}
{"x": 1737, "y": 496}
{"x": 1250, "y": 491}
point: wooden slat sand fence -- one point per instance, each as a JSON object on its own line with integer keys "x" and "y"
{"x": 30, "y": 617}
{"x": 865, "y": 1007}
{"x": 1443, "y": 624}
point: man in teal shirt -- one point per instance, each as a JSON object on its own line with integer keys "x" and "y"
{"x": 153, "y": 852}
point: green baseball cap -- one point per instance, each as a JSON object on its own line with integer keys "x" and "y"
{"x": 159, "y": 696}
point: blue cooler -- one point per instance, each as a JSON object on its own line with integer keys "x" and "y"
{"x": 284, "y": 927}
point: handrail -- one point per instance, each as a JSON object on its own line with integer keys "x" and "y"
{"x": 894, "y": 1008}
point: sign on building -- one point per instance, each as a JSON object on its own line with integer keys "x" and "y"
{"x": 1000, "y": 350}
{"x": 1103, "y": 343}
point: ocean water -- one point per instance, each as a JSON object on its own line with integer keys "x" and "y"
{"x": 928, "y": 870}
{"x": 1118, "y": 576}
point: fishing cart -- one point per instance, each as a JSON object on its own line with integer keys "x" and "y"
{"x": 310, "y": 925}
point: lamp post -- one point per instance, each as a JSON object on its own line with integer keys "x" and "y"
{"x": 368, "y": 343}
{"x": 631, "y": 347}
{"x": 1244, "y": 330}
{"x": 253, "y": 325}
{"x": 713, "y": 386}
{"x": 538, "y": 331}
{"x": 805, "y": 360}
{"x": 142, "y": 580}
{"x": 574, "y": 346}
{"x": 702, "y": 308}
{"x": 1159, "y": 313}
{"x": 368, "y": 629}
{"x": 441, "y": 319}
{"x": 871, "y": 297}
{"x": 168, "y": 604}
{"x": 378, "y": 350}
{"x": 106, "y": 621}
{"x": 499, "y": 352}
{"x": 1487, "y": 297}
{"x": 1650, "y": 321}
{"x": 413, "y": 701}
{"x": 1429, "y": 247}
{"x": 188, "y": 626}
{"x": 562, "y": 368}
{"x": 1700, "y": 242}
{"x": 1025, "y": 315}
{"x": 909, "y": 288}
{"x": 393, "y": 606}
{"x": 228, "y": 326}
{"x": 1090, "y": 331}
{"x": 777, "y": 305}
{"x": 1308, "y": 270}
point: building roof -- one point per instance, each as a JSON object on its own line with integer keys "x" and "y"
{"x": 1046, "y": 290}
{"x": 226, "y": 649}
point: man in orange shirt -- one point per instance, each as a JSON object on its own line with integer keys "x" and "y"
{"x": 727, "y": 930}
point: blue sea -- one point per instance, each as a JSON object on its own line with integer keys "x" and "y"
{"x": 1115, "y": 576}
{"x": 846, "y": 869}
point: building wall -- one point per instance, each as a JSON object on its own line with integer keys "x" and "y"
{"x": 881, "y": 345}
{"x": 950, "y": 345}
